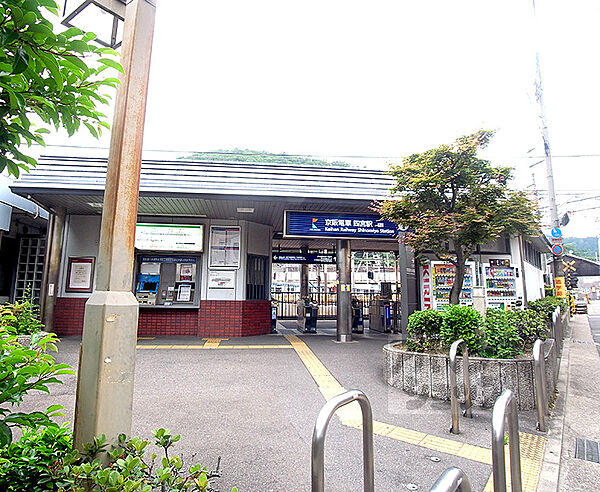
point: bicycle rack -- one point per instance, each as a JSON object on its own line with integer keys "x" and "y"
{"x": 452, "y": 480}
{"x": 505, "y": 409}
{"x": 318, "y": 439}
{"x": 454, "y": 387}
{"x": 541, "y": 398}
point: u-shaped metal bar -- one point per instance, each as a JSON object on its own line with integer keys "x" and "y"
{"x": 505, "y": 409}
{"x": 318, "y": 439}
{"x": 452, "y": 480}
{"x": 454, "y": 386}
{"x": 539, "y": 372}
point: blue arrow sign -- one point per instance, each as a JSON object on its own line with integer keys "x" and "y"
{"x": 556, "y": 232}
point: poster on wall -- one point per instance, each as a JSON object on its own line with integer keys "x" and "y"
{"x": 221, "y": 280}
{"x": 225, "y": 246}
{"x": 168, "y": 237}
{"x": 80, "y": 274}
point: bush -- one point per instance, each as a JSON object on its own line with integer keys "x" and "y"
{"x": 502, "y": 338}
{"x": 530, "y": 325}
{"x": 46, "y": 461}
{"x": 35, "y": 462}
{"x": 546, "y": 306}
{"x": 26, "y": 369}
{"x": 21, "y": 317}
{"x": 424, "y": 330}
{"x": 463, "y": 322}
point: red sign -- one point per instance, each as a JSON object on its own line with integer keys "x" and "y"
{"x": 426, "y": 293}
{"x": 557, "y": 249}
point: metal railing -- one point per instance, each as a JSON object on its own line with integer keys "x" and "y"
{"x": 539, "y": 373}
{"x": 452, "y": 480}
{"x": 318, "y": 439}
{"x": 327, "y": 301}
{"x": 505, "y": 409}
{"x": 454, "y": 386}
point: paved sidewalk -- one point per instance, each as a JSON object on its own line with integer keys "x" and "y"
{"x": 575, "y": 417}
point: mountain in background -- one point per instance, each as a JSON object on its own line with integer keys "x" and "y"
{"x": 247, "y": 155}
{"x": 585, "y": 247}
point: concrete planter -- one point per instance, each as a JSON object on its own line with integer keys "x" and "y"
{"x": 24, "y": 340}
{"x": 428, "y": 375}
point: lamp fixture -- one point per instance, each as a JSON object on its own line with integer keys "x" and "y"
{"x": 245, "y": 210}
{"x": 102, "y": 17}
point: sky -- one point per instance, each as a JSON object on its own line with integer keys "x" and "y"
{"x": 372, "y": 82}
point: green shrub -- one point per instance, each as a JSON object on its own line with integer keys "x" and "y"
{"x": 502, "y": 338}
{"x": 21, "y": 317}
{"x": 546, "y": 306}
{"x": 46, "y": 461}
{"x": 530, "y": 325}
{"x": 35, "y": 462}
{"x": 463, "y": 322}
{"x": 424, "y": 330}
{"x": 25, "y": 369}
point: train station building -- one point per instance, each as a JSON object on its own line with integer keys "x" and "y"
{"x": 208, "y": 233}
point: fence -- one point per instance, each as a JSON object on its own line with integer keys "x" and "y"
{"x": 327, "y": 301}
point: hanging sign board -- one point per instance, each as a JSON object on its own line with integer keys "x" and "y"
{"x": 337, "y": 225}
{"x": 168, "y": 237}
{"x": 309, "y": 258}
{"x": 559, "y": 286}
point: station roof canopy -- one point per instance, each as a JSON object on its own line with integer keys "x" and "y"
{"x": 217, "y": 190}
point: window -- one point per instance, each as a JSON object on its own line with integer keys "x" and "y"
{"x": 532, "y": 255}
{"x": 256, "y": 278}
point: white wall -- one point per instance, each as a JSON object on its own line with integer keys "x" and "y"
{"x": 81, "y": 238}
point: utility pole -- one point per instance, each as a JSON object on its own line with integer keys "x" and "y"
{"x": 539, "y": 93}
{"x": 107, "y": 356}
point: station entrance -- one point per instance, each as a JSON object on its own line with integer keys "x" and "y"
{"x": 375, "y": 276}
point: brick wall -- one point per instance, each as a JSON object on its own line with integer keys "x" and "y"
{"x": 213, "y": 319}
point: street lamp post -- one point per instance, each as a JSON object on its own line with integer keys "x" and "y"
{"x": 107, "y": 356}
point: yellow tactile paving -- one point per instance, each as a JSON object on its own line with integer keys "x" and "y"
{"x": 213, "y": 343}
{"x": 532, "y": 446}
{"x": 532, "y": 452}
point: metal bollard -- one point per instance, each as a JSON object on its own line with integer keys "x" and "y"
{"x": 318, "y": 439}
{"x": 452, "y": 480}
{"x": 454, "y": 386}
{"x": 505, "y": 409}
{"x": 541, "y": 397}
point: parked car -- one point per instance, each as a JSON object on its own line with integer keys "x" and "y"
{"x": 581, "y": 303}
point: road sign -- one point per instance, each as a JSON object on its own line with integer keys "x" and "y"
{"x": 569, "y": 266}
{"x": 556, "y": 232}
{"x": 559, "y": 286}
{"x": 557, "y": 249}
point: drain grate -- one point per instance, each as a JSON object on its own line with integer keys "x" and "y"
{"x": 587, "y": 450}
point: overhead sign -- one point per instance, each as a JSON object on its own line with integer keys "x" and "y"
{"x": 556, "y": 232}
{"x": 168, "y": 237}
{"x": 337, "y": 225}
{"x": 557, "y": 249}
{"x": 559, "y": 286}
{"x": 304, "y": 258}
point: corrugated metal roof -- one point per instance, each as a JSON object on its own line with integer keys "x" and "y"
{"x": 182, "y": 177}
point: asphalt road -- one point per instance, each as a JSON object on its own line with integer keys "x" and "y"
{"x": 256, "y": 408}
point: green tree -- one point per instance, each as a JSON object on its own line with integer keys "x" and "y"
{"x": 451, "y": 201}
{"x": 46, "y": 79}
{"x": 247, "y": 155}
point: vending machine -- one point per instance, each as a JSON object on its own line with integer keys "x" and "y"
{"x": 442, "y": 279}
{"x": 167, "y": 281}
{"x": 501, "y": 284}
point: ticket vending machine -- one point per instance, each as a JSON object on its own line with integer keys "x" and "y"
{"x": 167, "y": 281}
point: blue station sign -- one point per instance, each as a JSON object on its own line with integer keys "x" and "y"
{"x": 310, "y": 258}
{"x": 337, "y": 225}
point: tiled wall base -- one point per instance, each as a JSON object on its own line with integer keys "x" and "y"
{"x": 213, "y": 319}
